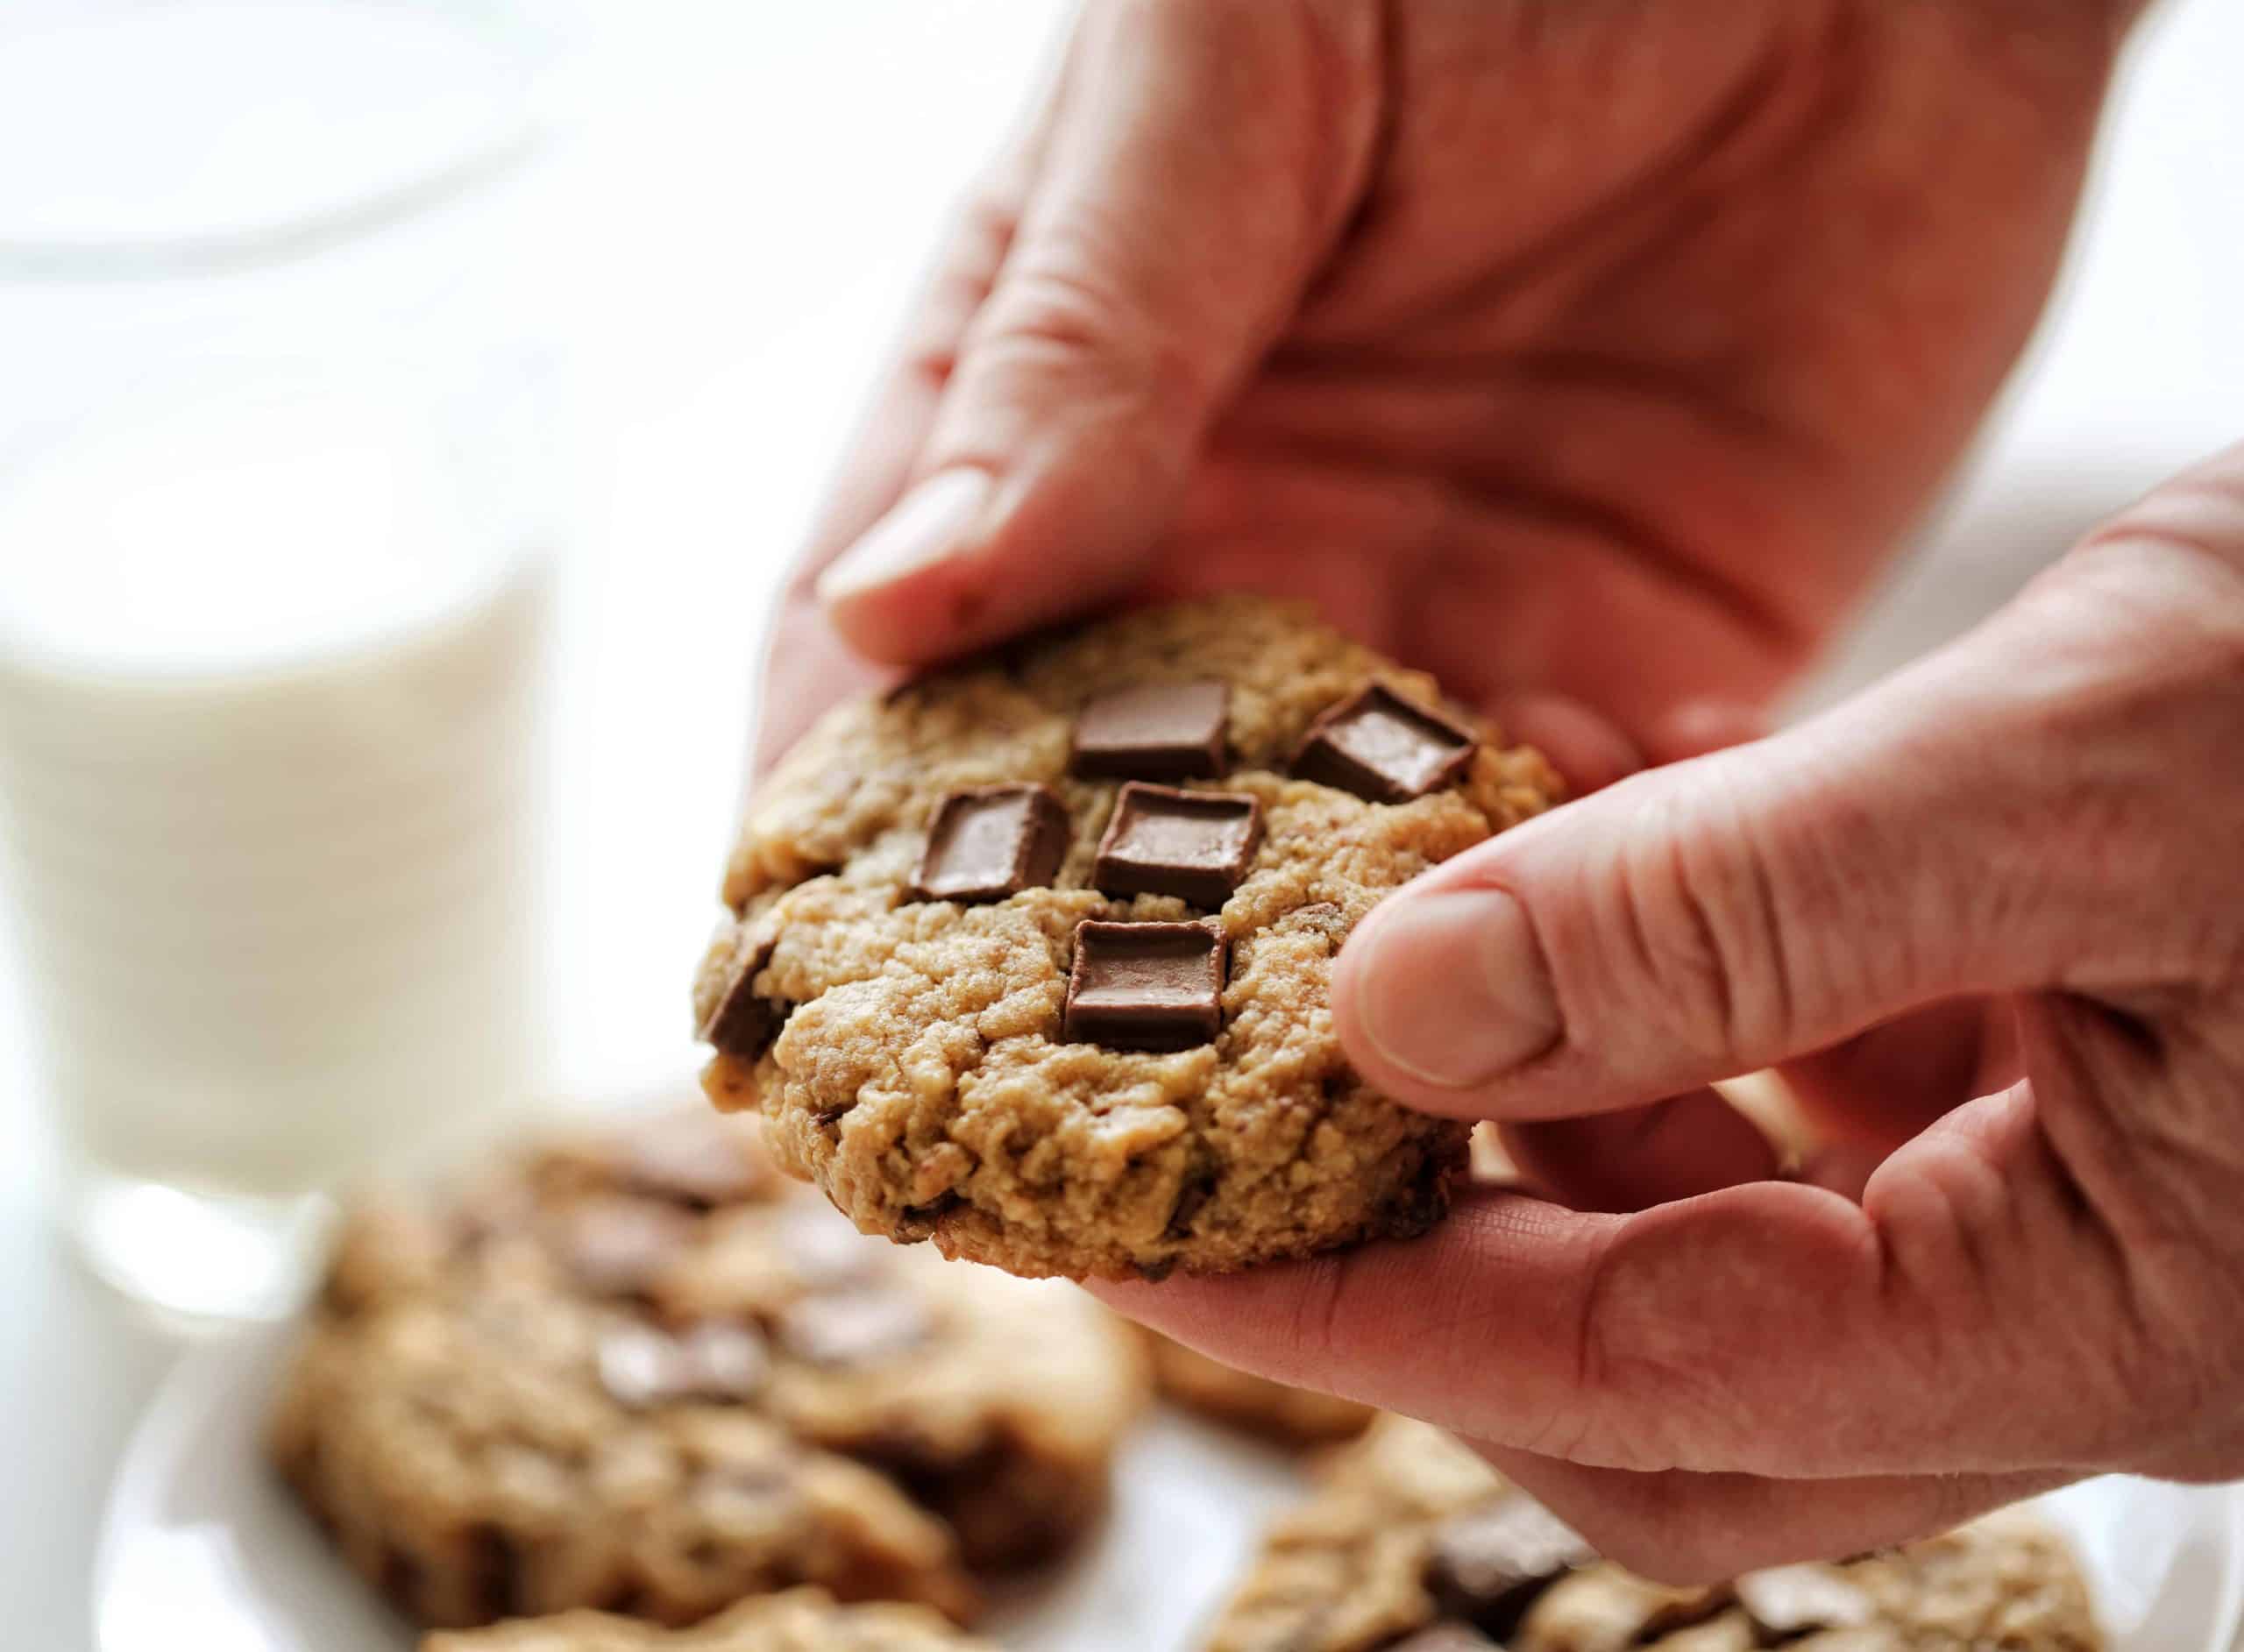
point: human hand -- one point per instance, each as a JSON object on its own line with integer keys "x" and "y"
{"x": 2045, "y": 1282}
{"x": 1588, "y": 355}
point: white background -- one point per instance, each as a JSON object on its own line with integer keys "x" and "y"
{"x": 743, "y": 205}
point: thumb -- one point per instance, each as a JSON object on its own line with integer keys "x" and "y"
{"x": 1201, "y": 159}
{"x": 1987, "y": 822}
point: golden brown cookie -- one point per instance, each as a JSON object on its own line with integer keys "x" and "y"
{"x": 633, "y": 1369}
{"x": 799, "y": 1620}
{"x": 979, "y": 1070}
{"x": 1412, "y": 1544}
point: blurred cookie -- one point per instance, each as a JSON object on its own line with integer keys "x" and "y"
{"x": 1291, "y": 1416}
{"x": 1031, "y": 957}
{"x": 632, "y": 1368}
{"x": 801, "y": 1621}
{"x": 1412, "y": 1544}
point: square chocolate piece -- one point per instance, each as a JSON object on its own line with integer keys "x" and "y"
{"x": 992, "y": 842}
{"x": 1164, "y": 731}
{"x": 1194, "y": 845}
{"x": 1383, "y": 749}
{"x": 1146, "y": 986}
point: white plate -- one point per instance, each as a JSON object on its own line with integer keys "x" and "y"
{"x": 200, "y": 1548}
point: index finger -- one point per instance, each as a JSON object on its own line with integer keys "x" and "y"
{"x": 1773, "y": 1328}
{"x": 806, "y": 667}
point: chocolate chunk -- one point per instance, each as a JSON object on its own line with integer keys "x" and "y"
{"x": 1795, "y": 1599}
{"x": 1447, "y": 1637}
{"x": 641, "y": 1366}
{"x": 1146, "y": 986}
{"x": 853, "y": 1328}
{"x": 1380, "y": 746}
{"x": 743, "y": 1025}
{"x": 1194, "y": 845}
{"x": 618, "y": 1247}
{"x": 1164, "y": 731}
{"x": 916, "y": 1224}
{"x": 992, "y": 842}
{"x": 1489, "y": 1564}
{"x": 1191, "y": 1199}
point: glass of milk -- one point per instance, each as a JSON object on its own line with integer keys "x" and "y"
{"x": 275, "y": 562}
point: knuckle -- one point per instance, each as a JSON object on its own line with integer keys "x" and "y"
{"x": 1315, "y": 1331}
{"x": 1640, "y": 1402}
{"x": 1693, "y": 913}
{"x": 1066, "y": 312}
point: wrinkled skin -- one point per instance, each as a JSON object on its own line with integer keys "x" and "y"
{"x": 1594, "y": 356}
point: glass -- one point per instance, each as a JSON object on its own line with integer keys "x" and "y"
{"x": 275, "y": 565}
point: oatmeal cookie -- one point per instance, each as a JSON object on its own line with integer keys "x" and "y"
{"x": 1412, "y": 1544}
{"x": 799, "y": 1620}
{"x": 636, "y": 1370}
{"x": 1030, "y": 957}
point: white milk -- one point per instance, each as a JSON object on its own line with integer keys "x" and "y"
{"x": 211, "y": 122}
{"x": 267, "y": 713}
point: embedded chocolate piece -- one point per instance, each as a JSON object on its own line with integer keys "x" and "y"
{"x": 743, "y": 1025}
{"x": 992, "y": 842}
{"x": 1146, "y": 986}
{"x": 641, "y": 1366}
{"x": 1796, "y": 1599}
{"x": 1194, "y": 845}
{"x": 1489, "y": 1562}
{"x": 1164, "y": 731}
{"x": 1447, "y": 1637}
{"x": 850, "y": 1328}
{"x": 1382, "y": 748}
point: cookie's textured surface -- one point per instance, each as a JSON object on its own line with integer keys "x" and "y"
{"x": 919, "y": 1073}
{"x": 638, "y": 1370}
{"x": 799, "y": 1620}
{"x": 1412, "y": 1535}
{"x": 1291, "y": 1416}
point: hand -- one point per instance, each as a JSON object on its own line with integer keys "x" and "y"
{"x": 1587, "y": 354}
{"x": 2046, "y": 1281}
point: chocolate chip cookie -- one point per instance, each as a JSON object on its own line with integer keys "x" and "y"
{"x": 634, "y": 1368}
{"x": 1030, "y": 958}
{"x": 799, "y": 1620}
{"x": 1412, "y": 1544}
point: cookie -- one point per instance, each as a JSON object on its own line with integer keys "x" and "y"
{"x": 1030, "y": 958}
{"x": 1412, "y": 1544}
{"x": 799, "y": 1620}
{"x": 634, "y": 1368}
{"x": 1289, "y": 1416}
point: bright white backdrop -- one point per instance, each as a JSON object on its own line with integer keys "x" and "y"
{"x": 742, "y": 209}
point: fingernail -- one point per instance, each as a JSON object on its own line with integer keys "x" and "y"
{"x": 935, "y": 520}
{"x": 1452, "y": 988}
